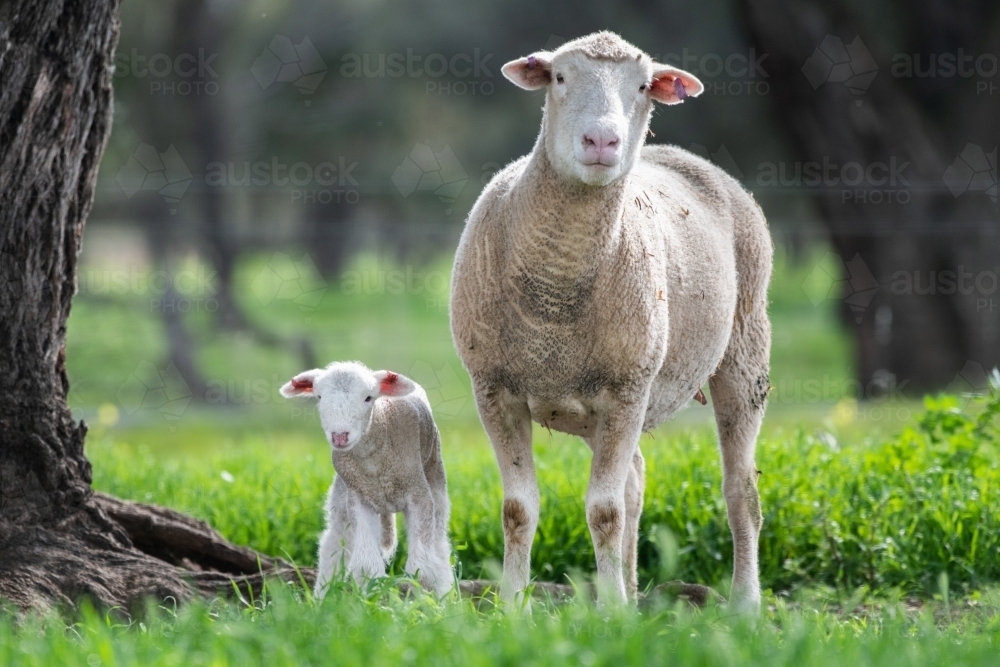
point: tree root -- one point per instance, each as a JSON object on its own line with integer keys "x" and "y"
{"x": 182, "y": 540}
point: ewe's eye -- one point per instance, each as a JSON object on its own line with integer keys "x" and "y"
{"x": 559, "y": 78}
{"x": 368, "y": 399}
{"x": 642, "y": 88}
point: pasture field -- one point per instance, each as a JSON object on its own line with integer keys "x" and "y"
{"x": 880, "y": 546}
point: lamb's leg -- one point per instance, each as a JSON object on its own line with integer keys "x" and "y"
{"x": 615, "y": 445}
{"x": 424, "y": 544}
{"x": 335, "y": 542}
{"x": 388, "y": 542}
{"x": 739, "y": 392}
{"x": 635, "y": 488}
{"x": 366, "y": 555}
{"x": 434, "y": 471}
{"x": 508, "y": 425}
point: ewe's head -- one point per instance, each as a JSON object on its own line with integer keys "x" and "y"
{"x": 346, "y": 393}
{"x": 600, "y": 94}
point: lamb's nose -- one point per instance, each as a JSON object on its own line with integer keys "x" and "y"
{"x": 340, "y": 439}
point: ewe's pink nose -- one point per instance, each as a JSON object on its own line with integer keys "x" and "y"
{"x": 340, "y": 439}
{"x": 601, "y": 146}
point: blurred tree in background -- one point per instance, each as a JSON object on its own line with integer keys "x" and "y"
{"x": 331, "y": 128}
{"x": 933, "y": 117}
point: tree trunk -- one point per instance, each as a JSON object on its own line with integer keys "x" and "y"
{"x": 904, "y": 245}
{"x": 58, "y": 539}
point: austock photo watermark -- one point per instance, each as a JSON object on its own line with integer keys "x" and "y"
{"x": 882, "y": 397}
{"x": 468, "y": 73}
{"x": 159, "y": 391}
{"x": 835, "y": 279}
{"x": 165, "y": 173}
{"x": 437, "y": 172}
{"x": 284, "y": 61}
{"x": 183, "y": 74}
{"x": 853, "y": 282}
{"x": 732, "y": 74}
{"x": 876, "y": 182}
{"x": 152, "y": 389}
{"x": 981, "y": 68}
{"x": 863, "y": 183}
{"x": 431, "y": 285}
{"x": 185, "y": 290}
{"x": 331, "y": 181}
{"x": 286, "y": 279}
{"x": 326, "y": 182}
{"x": 848, "y": 62}
{"x": 980, "y": 285}
{"x": 973, "y": 170}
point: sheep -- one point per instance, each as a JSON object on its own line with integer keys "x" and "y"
{"x": 386, "y": 451}
{"x": 598, "y": 284}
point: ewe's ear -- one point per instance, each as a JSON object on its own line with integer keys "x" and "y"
{"x": 301, "y": 384}
{"x": 531, "y": 72}
{"x": 394, "y": 384}
{"x": 672, "y": 86}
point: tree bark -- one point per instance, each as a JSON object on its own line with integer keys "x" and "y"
{"x": 910, "y": 327}
{"x": 58, "y": 539}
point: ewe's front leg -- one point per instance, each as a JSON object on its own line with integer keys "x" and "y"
{"x": 366, "y": 556}
{"x": 615, "y": 446}
{"x": 508, "y": 425}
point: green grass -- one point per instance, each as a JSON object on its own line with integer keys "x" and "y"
{"x": 888, "y": 514}
{"x": 374, "y": 627}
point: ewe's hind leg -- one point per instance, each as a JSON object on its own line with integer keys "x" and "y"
{"x": 635, "y": 488}
{"x": 335, "y": 542}
{"x": 739, "y": 392}
{"x": 615, "y": 445}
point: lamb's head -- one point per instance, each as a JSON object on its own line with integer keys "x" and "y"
{"x": 600, "y": 96}
{"x": 346, "y": 393}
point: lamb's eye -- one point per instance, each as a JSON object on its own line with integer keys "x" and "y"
{"x": 559, "y": 78}
{"x": 368, "y": 399}
{"x": 642, "y": 88}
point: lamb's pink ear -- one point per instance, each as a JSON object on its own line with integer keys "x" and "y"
{"x": 531, "y": 72}
{"x": 393, "y": 384}
{"x": 672, "y": 86}
{"x": 301, "y": 384}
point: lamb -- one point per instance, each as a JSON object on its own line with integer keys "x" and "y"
{"x": 598, "y": 284}
{"x": 387, "y": 453}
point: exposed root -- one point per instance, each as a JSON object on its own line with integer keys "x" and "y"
{"x": 181, "y": 540}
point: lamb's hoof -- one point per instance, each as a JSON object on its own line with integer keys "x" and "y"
{"x": 695, "y": 594}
